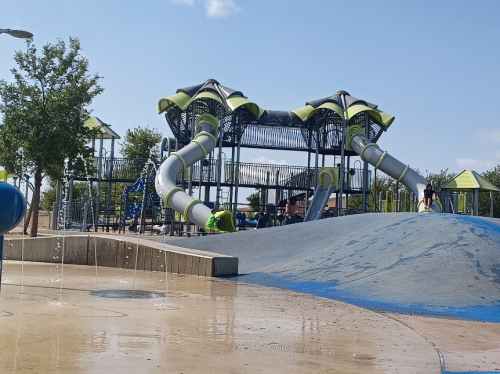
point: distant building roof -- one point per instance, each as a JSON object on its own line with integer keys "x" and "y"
{"x": 469, "y": 180}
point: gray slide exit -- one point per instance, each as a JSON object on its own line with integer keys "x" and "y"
{"x": 320, "y": 198}
{"x": 318, "y": 203}
{"x": 371, "y": 153}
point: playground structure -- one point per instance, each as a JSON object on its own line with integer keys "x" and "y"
{"x": 208, "y": 115}
{"x": 207, "y": 120}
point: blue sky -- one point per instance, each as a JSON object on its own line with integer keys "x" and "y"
{"x": 432, "y": 64}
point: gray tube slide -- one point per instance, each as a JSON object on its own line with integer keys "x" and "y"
{"x": 166, "y": 180}
{"x": 371, "y": 153}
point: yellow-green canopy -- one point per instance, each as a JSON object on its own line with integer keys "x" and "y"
{"x": 4, "y": 176}
{"x": 94, "y": 122}
{"x": 469, "y": 180}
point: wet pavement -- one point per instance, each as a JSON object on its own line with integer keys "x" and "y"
{"x": 128, "y": 322}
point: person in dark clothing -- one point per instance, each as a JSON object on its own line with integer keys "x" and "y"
{"x": 262, "y": 221}
{"x": 428, "y": 195}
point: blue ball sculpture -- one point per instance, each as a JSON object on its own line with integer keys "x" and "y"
{"x": 11, "y": 207}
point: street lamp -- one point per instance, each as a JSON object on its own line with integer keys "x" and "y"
{"x": 17, "y": 33}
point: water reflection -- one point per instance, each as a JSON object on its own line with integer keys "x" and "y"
{"x": 202, "y": 325}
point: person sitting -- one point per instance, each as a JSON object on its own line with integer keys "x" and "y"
{"x": 428, "y": 195}
{"x": 290, "y": 212}
{"x": 212, "y": 221}
{"x": 262, "y": 222}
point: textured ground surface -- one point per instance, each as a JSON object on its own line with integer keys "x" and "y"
{"x": 430, "y": 263}
{"x": 53, "y": 321}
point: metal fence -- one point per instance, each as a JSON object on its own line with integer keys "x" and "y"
{"x": 123, "y": 168}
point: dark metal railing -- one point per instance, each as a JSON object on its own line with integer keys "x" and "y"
{"x": 354, "y": 181}
{"x": 124, "y": 168}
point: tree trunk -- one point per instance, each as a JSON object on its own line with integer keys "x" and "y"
{"x": 28, "y": 218}
{"x": 35, "y": 202}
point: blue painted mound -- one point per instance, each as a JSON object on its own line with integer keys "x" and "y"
{"x": 429, "y": 263}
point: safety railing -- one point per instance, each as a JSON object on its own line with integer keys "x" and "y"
{"x": 123, "y": 168}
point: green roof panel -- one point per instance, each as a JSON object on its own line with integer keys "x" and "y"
{"x": 180, "y": 99}
{"x": 95, "y": 122}
{"x": 358, "y": 108}
{"x": 303, "y": 113}
{"x": 469, "y": 180}
{"x": 234, "y": 102}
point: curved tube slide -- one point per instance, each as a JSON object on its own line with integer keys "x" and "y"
{"x": 173, "y": 196}
{"x": 371, "y": 153}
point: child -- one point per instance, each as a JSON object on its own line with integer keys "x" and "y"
{"x": 262, "y": 222}
{"x": 428, "y": 194}
{"x": 212, "y": 221}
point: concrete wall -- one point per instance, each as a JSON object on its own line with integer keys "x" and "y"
{"x": 121, "y": 253}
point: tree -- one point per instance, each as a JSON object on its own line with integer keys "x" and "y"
{"x": 141, "y": 143}
{"x": 80, "y": 193}
{"x": 43, "y": 112}
{"x": 492, "y": 176}
{"x": 382, "y": 184}
{"x": 254, "y": 201}
{"x": 439, "y": 179}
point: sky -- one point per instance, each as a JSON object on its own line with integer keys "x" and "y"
{"x": 432, "y": 64}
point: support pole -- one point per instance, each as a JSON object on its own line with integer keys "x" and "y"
{"x": 475, "y": 202}
{"x": 342, "y": 151}
{"x": 110, "y": 176}
{"x": 447, "y": 202}
{"x": 193, "y": 125}
{"x": 266, "y": 194}
{"x": 200, "y": 179}
{"x": 397, "y": 197}
{"x": 308, "y": 178}
{"x": 316, "y": 159}
{"x": 231, "y": 187}
{"x": 99, "y": 179}
{"x": 55, "y": 212}
{"x": 276, "y": 200}
{"x": 219, "y": 160}
{"x": 236, "y": 182}
{"x": 365, "y": 170}
{"x": 348, "y": 186}
{"x": 491, "y": 204}
{"x": 207, "y": 187}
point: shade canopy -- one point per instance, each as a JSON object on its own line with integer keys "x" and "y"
{"x": 95, "y": 122}
{"x": 340, "y": 103}
{"x": 469, "y": 180}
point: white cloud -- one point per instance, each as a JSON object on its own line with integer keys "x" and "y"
{"x": 490, "y": 136}
{"x": 265, "y": 160}
{"x": 220, "y": 8}
{"x": 472, "y": 163}
{"x": 182, "y": 2}
{"x": 213, "y": 8}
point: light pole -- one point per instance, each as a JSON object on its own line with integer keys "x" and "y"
{"x": 17, "y": 33}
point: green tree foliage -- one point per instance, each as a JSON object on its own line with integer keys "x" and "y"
{"x": 254, "y": 201}
{"x": 492, "y": 176}
{"x": 43, "y": 111}
{"x": 80, "y": 193}
{"x": 439, "y": 179}
{"x": 382, "y": 184}
{"x": 141, "y": 142}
